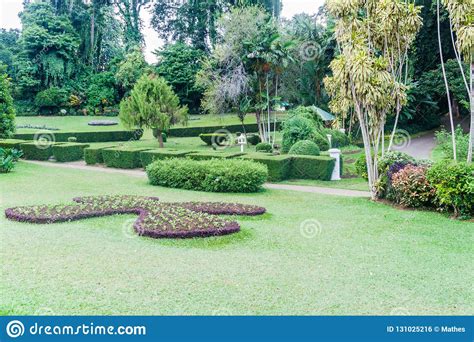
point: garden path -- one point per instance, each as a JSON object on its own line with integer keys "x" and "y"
{"x": 140, "y": 173}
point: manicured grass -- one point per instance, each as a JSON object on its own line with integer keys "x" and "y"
{"x": 367, "y": 258}
{"x": 347, "y": 183}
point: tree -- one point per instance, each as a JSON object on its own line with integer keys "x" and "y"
{"x": 152, "y": 104}
{"x": 179, "y": 64}
{"x": 130, "y": 69}
{"x": 461, "y": 15}
{"x": 129, "y": 11}
{"x": 364, "y": 74}
{"x": 7, "y": 111}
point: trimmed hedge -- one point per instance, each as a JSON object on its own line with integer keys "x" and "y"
{"x": 93, "y": 155}
{"x": 88, "y": 137}
{"x": 214, "y": 138}
{"x": 32, "y": 151}
{"x": 264, "y": 147}
{"x": 123, "y": 157}
{"x": 308, "y": 167}
{"x": 12, "y": 143}
{"x": 216, "y": 175}
{"x": 212, "y": 155}
{"x": 279, "y": 167}
{"x": 183, "y": 132}
{"x": 69, "y": 152}
{"x": 148, "y": 157}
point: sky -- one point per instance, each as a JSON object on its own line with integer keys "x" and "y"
{"x": 9, "y": 10}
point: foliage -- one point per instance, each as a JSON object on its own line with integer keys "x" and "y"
{"x": 148, "y": 157}
{"x": 8, "y": 158}
{"x": 131, "y": 69}
{"x": 122, "y": 157}
{"x": 454, "y": 184}
{"x": 32, "y": 152}
{"x": 264, "y": 147}
{"x": 305, "y": 148}
{"x": 411, "y": 188}
{"x": 69, "y": 152}
{"x": 312, "y": 167}
{"x": 338, "y": 139}
{"x": 308, "y": 112}
{"x": 295, "y": 129}
{"x": 101, "y": 92}
{"x": 279, "y": 167}
{"x": 152, "y": 104}
{"x": 462, "y": 143}
{"x": 253, "y": 139}
{"x": 216, "y": 175}
{"x": 217, "y": 139}
{"x": 178, "y": 65}
{"x": 93, "y": 154}
{"x": 7, "y": 111}
{"x": 49, "y": 101}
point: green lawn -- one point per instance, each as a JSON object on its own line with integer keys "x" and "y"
{"x": 368, "y": 258}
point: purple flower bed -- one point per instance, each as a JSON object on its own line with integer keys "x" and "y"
{"x": 155, "y": 219}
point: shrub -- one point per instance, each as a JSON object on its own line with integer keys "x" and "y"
{"x": 93, "y": 155}
{"x": 308, "y": 167}
{"x": 164, "y": 136}
{"x": 34, "y": 151}
{"x": 338, "y": 138}
{"x": 189, "y": 132}
{"x": 264, "y": 147}
{"x": 454, "y": 184}
{"x": 305, "y": 148}
{"x": 214, "y": 175}
{"x": 218, "y": 139}
{"x": 253, "y": 139}
{"x": 7, "y": 110}
{"x": 296, "y": 129}
{"x": 12, "y": 143}
{"x": 309, "y": 112}
{"x": 212, "y": 155}
{"x": 90, "y": 137}
{"x": 50, "y": 100}
{"x": 321, "y": 140}
{"x": 279, "y": 167}
{"x": 411, "y": 188}
{"x": 148, "y": 157}
{"x": 72, "y": 139}
{"x": 444, "y": 139}
{"x": 122, "y": 157}
{"x": 8, "y": 158}
{"x": 388, "y": 160}
{"x": 361, "y": 167}
{"x": 69, "y": 152}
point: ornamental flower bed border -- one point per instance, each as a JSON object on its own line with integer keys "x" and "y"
{"x": 155, "y": 219}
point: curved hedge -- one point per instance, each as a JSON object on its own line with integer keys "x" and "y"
{"x": 215, "y": 175}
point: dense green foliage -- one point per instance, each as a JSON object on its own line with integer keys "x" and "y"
{"x": 122, "y": 157}
{"x": 445, "y": 142}
{"x": 264, "y": 147}
{"x": 69, "y": 152}
{"x": 305, "y": 148}
{"x": 7, "y": 112}
{"x": 410, "y": 187}
{"x": 215, "y": 175}
{"x": 310, "y": 167}
{"x": 8, "y": 158}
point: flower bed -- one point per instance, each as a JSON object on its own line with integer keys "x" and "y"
{"x": 156, "y": 219}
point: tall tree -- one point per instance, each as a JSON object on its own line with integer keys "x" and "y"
{"x": 130, "y": 11}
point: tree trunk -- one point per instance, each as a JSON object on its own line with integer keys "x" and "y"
{"x": 160, "y": 138}
{"x": 258, "y": 116}
{"x": 456, "y": 108}
{"x": 92, "y": 38}
{"x": 471, "y": 135}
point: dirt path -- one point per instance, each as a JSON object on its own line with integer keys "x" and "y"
{"x": 140, "y": 173}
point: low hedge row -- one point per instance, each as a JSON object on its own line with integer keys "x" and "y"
{"x": 216, "y": 175}
{"x": 211, "y": 155}
{"x": 148, "y": 157}
{"x": 279, "y": 167}
{"x": 93, "y": 155}
{"x": 33, "y": 151}
{"x": 88, "y": 137}
{"x": 182, "y": 132}
{"x": 12, "y": 143}
{"x": 68, "y": 152}
{"x": 309, "y": 167}
{"x": 123, "y": 157}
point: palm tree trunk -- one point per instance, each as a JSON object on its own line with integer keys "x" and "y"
{"x": 471, "y": 138}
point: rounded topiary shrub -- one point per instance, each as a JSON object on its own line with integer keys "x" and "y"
{"x": 305, "y": 148}
{"x": 216, "y": 175}
{"x": 296, "y": 129}
{"x": 264, "y": 147}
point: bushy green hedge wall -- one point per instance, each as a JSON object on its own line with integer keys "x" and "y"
{"x": 93, "y": 155}
{"x": 182, "y": 132}
{"x": 123, "y": 157}
{"x": 212, "y": 155}
{"x": 308, "y": 167}
{"x": 88, "y": 137}
{"x": 279, "y": 167}
{"x": 12, "y": 143}
{"x": 69, "y": 152}
{"x": 148, "y": 157}
{"x": 32, "y": 151}
{"x": 216, "y": 175}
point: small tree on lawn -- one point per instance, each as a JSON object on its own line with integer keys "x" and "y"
{"x": 152, "y": 104}
{"x": 7, "y": 111}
